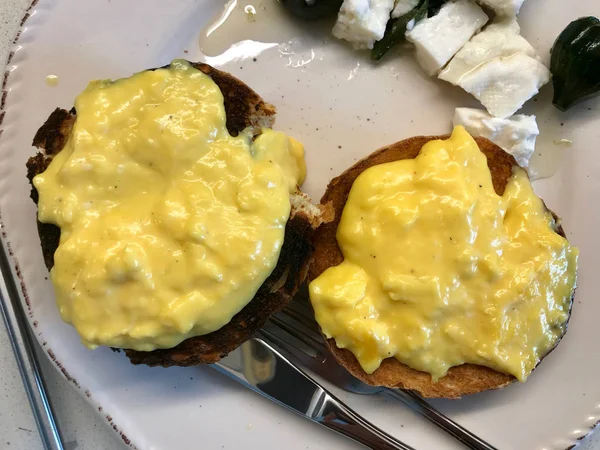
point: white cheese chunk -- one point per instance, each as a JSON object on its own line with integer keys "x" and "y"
{"x": 362, "y": 22}
{"x": 438, "y": 38}
{"x": 504, "y": 7}
{"x": 499, "y": 39}
{"x": 516, "y": 134}
{"x": 504, "y": 84}
{"x": 404, "y": 7}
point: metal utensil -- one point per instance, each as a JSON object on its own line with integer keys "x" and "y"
{"x": 22, "y": 340}
{"x": 259, "y": 366}
{"x": 296, "y": 332}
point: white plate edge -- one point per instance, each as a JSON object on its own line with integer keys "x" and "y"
{"x": 13, "y": 57}
{"x": 16, "y": 50}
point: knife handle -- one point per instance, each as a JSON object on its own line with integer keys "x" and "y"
{"x": 338, "y": 417}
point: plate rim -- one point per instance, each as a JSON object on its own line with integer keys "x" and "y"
{"x": 100, "y": 412}
{"x": 14, "y": 49}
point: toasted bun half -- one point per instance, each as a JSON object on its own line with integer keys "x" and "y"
{"x": 244, "y": 108}
{"x": 460, "y": 380}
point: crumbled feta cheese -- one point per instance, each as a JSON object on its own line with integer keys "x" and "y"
{"x": 362, "y": 22}
{"x": 499, "y": 68}
{"x": 497, "y": 40}
{"x": 403, "y": 7}
{"x": 438, "y": 38}
{"x": 504, "y": 7}
{"x": 516, "y": 134}
{"x": 504, "y": 84}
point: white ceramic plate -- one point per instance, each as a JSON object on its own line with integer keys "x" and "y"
{"x": 342, "y": 107}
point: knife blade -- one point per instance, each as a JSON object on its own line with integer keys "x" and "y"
{"x": 258, "y": 365}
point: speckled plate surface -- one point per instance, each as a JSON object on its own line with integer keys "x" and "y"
{"x": 342, "y": 107}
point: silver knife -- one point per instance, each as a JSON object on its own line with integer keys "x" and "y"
{"x": 259, "y": 366}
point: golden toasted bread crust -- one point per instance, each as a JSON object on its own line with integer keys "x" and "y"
{"x": 460, "y": 380}
{"x": 244, "y": 108}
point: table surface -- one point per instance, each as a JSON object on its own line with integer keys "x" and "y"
{"x": 82, "y": 429}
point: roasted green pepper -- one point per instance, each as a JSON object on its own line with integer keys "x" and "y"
{"x": 312, "y": 9}
{"x": 434, "y": 7}
{"x": 575, "y": 63}
{"x": 396, "y": 29}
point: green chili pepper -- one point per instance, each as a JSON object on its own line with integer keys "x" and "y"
{"x": 396, "y": 28}
{"x": 434, "y": 7}
{"x": 312, "y": 9}
{"x": 575, "y": 63}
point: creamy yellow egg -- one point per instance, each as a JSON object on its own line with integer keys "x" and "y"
{"x": 439, "y": 270}
{"x": 169, "y": 225}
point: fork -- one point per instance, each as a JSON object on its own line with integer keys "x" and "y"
{"x": 296, "y": 332}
